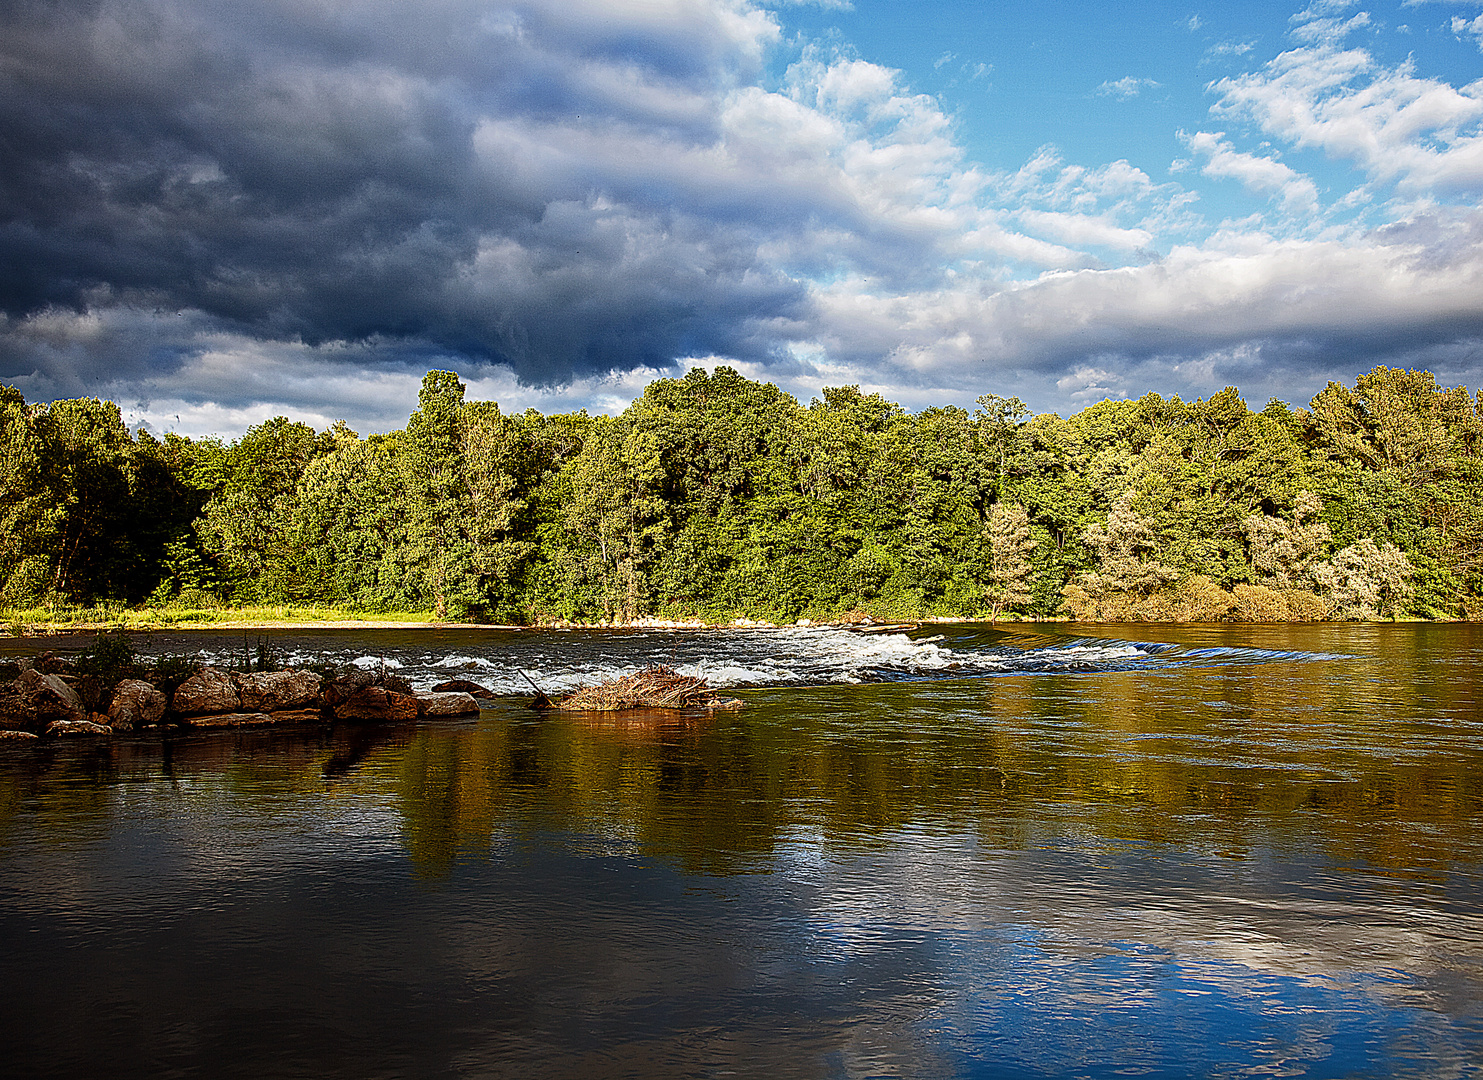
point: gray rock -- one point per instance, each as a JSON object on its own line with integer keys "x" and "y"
{"x": 135, "y": 704}
{"x": 210, "y": 691}
{"x": 446, "y": 703}
{"x": 50, "y": 695}
{"x": 6, "y": 733}
{"x": 273, "y": 691}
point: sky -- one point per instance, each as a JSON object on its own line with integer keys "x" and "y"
{"x": 218, "y": 211}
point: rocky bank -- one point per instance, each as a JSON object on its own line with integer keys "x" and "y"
{"x": 47, "y": 699}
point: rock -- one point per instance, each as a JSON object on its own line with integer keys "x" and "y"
{"x": 32, "y": 700}
{"x": 462, "y": 686}
{"x": 376, "y": 703}
{"x": 273, "y": 691}
{"x": 446, "y": 704}
{"x": 136, "y": 704}
{"x": 5, "y": 733}
{"x": 297, "y": 716}
{"x": 77, "y": 727}
{"x": 52, "y": 664}
{"x": 210, "y": 691}
{"x": 15, "y": 707}
{"x": 49, "y": 693}
{"x": 231, "y": 719}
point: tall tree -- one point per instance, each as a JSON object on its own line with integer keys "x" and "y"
{"x": 1010, "y": 569}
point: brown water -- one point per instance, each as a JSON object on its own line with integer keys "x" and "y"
{"x": 1173, "y": 851}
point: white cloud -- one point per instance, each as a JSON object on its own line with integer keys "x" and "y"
{"x": 1275, "y": 297}
{"x": 1127, "y": 87}
{"x": 1419, "y": 133}
{"x": 1085, "y": 230}
{"x": 1322, "y": 22}
{"x": 1469, "y": 28}
{"x": 1088, "y": 383}
{"x": 1296, "y": 192}
{"x": 1228, "y": 48}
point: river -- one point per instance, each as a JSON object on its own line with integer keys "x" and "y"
{"x": 1046, "y": 851}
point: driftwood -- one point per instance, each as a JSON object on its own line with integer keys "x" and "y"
{"x": 655, "y": 687}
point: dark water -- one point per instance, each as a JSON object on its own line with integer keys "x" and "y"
{"x": 1170, "y": 852}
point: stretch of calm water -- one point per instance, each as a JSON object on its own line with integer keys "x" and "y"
{"x": 1163, "y": 851}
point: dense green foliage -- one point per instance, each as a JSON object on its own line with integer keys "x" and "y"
{"x": 713, "y": 496}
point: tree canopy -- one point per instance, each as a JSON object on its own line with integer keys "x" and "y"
{"x": 715, "y": 496}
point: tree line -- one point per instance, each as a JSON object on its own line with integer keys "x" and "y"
{"x": 715, "y": 496}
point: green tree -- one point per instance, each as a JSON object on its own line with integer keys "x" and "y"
{"x": 1010, "y": 568}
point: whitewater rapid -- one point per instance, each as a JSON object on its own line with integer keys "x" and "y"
{"x": 561, "y": 661}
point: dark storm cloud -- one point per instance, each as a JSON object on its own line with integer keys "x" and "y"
{"x": 308, "y": 171}
{"x": 233, "y": 209}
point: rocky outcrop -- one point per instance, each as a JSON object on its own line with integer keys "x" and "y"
{"x": 209, "y": 691}
{"x": 136, "y": 704}
{"x": 448, "y": 703}
{"x": 43, "y": 703}
{"x": 277, "y": 691}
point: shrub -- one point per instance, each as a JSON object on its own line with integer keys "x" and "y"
{"x": 110, "y": 658}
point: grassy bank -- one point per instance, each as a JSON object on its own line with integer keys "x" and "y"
{"x": 67, "y": 619}
{"x": 41, "y": 621}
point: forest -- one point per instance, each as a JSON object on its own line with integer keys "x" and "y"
{"x": 716, "y": 497}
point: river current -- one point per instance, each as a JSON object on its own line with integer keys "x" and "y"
{"x": 962, "y": 851}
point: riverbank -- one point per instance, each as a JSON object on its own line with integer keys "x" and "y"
{"x": 49, "y": 623}
{"x": 41, "y": 622}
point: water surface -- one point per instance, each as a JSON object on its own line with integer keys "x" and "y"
{"x": 1156, "y": 851}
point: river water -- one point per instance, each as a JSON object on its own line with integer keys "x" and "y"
{"x": 963, "y": 852}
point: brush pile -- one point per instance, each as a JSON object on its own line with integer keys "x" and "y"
{"x": 656, "y": 687}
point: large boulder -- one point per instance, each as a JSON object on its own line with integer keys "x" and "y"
{"x": 33, "y": 700}
{"x": 135, "y": 704}
{"x": 375, "y": 703}
{"x": 209, "y": 691}
{"x": 51, "y": 696}
{"x": 274, "y": 691}
{"x": 447, "y": 703}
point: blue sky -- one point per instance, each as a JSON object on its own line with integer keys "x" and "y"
{"x": 222, "y": 211}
